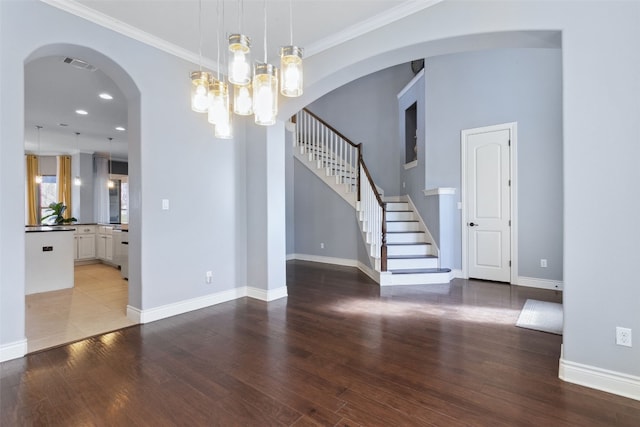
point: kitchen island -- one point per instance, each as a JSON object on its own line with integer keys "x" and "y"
{"x": 49, "y": 258}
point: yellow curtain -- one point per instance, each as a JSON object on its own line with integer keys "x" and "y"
{"x": 64, "y": 183}
{"x": 33, "y": 205}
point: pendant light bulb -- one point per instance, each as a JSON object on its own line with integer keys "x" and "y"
{"x": 291, "y": 66}
{"x": 200, "y": 81}
{"x": 224, "y": 129}
{"x": 243, "y": 100}
{"x": 239, "y": 61}
{"x": 265, "y": 94}
{"x": 218, "y": 102}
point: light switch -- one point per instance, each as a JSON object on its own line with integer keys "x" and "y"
{"x": 165, "y": 204}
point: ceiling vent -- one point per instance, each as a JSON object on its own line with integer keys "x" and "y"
{"x": 78, "y": 63}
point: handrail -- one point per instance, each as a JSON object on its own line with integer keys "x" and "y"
{"x": 331, "y": 128}
{"x": 373, "y": 209}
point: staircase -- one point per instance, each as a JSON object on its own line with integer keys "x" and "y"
{"x": 401, "y": 249}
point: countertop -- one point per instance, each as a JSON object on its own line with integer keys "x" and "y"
{"x": 47, "y": 228}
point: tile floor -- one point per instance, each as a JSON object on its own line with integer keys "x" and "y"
{"x": 96, "y": 304}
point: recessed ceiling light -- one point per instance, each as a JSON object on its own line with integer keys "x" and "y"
{"x": 82, "y": 112}
{"x": 120, "y": 128}
{"x": 105, "y": 95}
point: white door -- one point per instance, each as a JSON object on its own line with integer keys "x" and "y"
{"x": 488, "y": 204}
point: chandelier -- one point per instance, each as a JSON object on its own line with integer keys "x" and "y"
{"x": 242, "y": 92}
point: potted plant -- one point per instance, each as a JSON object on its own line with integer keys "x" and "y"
{"x": 55, "y": 216}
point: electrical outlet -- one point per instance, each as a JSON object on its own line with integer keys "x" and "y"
{"x": 543, "y": 263}
{"x": 623, "y": 336}
{"x": 321, "y": 245}
{"x": 209, "y": 276}
{"x": 404, "y": 185}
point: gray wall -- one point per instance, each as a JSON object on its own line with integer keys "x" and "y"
{"x": 365, "y": 111}
{"x": 484, "y": 88}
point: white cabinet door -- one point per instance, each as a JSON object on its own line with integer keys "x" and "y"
{"x": 101, "y": 246}
{"x": 86, "y": 246}
{"x": 108, "y": 248}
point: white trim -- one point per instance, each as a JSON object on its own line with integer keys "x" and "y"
{"x": 134, "y": 314}
{"x": 290, "y": 257}
{"x": 13, "y": 350}
{"x": 457, "y": 274}
{"x": 130, "y": 31}
{"x": 411, "y": 165}
{"x": 423, "y": 226}
{"x": 440, "y": 191}
{"x": 326, "y": 260}
{"x": 403, "y": 10}
{"x": 373, "y": 274}
{"x": 532, "y": 282}
{"x": 267, "y": 295}
{"x": 513, "y": 169}
{"x": 600, "y": 379}
{"x": 185, "y": 306}
{"x": 409, "y": 85}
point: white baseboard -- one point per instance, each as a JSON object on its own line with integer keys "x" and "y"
{"x": 326, "y": 260}
{"x": 13, "y": 350}
{"x": 373, "y": 274}
{"x": 532, "y": 282}
{"x": 169, "y": 310}
{"x": 456, "y": 274}
{"x": 267, "y": 295}
{"x": 290, "y": 257}
{"x": 600, "y": 379}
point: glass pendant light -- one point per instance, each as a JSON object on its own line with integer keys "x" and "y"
{"x": 77, "y": 181}
{"x": 200, "y": 79}
{"x": 291, "y": 64}
{"x": 224, "y": 128}
{"x": 239, "y": 54}
{"x": 243, "y": 100}
{"x": 265, "y": 87}
{"x": 38, "y": 177}
{"x": 265, "y": 94}
{"x": 110, "y": 183}
{"x": 218, "y": 102}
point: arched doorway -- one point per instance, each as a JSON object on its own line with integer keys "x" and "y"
{"x": 100, "y": 74}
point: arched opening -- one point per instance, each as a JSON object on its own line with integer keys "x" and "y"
{"x": 79, "y": 76}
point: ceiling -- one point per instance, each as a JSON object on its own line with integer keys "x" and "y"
{"x": 54, "y": 89}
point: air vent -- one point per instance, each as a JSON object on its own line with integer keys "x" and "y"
{"x": 78, "y": 63}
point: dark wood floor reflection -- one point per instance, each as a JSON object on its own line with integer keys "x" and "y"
{"x": 338, "y": 351}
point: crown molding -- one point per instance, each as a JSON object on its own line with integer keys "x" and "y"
{"x": 130, "y": 31}
{"x": 371, "y": 24}
{"x": 398, "y": 12}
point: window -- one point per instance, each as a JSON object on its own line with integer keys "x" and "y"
{"x": 411, "y": 133}
{"x": 48, "y": 193}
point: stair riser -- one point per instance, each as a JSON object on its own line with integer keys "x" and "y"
{"x": 405, "y": 238}
{"x": 399, "y": 216}
{"x": 419, "y": 279}
{"x": 397, "y": 206}
{"x": 403, "y": 226}
{"x": 408, "y": 263}
{"x": 411, "y": 250}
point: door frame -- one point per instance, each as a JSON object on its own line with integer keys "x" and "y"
{"x": 513, "y": 171}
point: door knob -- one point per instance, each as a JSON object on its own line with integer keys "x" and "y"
{"x": 471, "y": 224}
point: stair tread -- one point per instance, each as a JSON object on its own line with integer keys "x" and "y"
{"x": 408, "y": 244}
{"x": 403, "y": 210}
{"x": 421, "y": 271}
{"x": 411, "y": 256}
{"x": 402, "y": 220}
{"x": 404, "y": 232}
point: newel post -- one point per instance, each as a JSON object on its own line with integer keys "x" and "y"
{"x": 383, "y": 249}
{"x": 358, "y": 168}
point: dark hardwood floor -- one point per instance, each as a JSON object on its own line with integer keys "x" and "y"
{"x": 338, "y": 351}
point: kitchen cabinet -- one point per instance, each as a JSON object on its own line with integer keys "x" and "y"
{"x": 85, "y": 242}
{"x": 104, "y": 243}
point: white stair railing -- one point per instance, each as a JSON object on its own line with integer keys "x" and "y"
{"x": 329, "y": 149}
{"x": 341, "y": 158}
